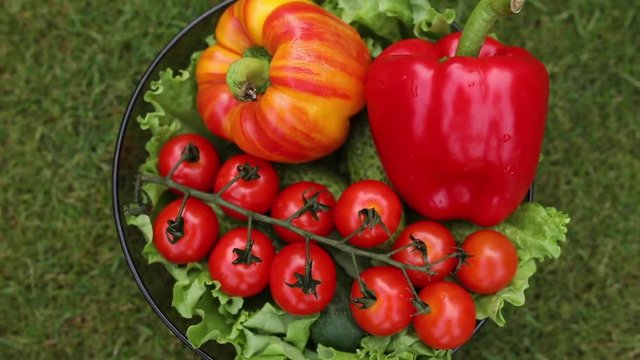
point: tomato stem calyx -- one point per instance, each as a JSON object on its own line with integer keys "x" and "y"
{"x": 305, "y": 281}
{"x": 311, "y": 205}
{"x": 462, "y": 259}
{"x": 245, "y": 256}
{"x": 368, "y": 298}
{"x": 371, "y": 218}
{"x": 246, "y": 172}
{"x": 175, "y": 227}
{"x": 364, "y": 302}
{"x": 422, "y": 308}
{"x": 191, "y": 153}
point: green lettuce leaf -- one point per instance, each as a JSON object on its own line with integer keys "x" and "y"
{"x": 490, "y": 306}
{"x": 273, "y": 321}
{"x": 537, "y": 232}
{"x": 215, "y": 325}
{"x": 383, "y": 22}
{"x": 328, "y": 353}
{"x": 403, "y": 346}
{"x": 188, "y": 290}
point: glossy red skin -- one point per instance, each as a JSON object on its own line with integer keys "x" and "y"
{"x": 393, "y": 308}
{"x": 199, "y": 174}
{"x": 452, "y": 318}
{"x": 367, "y": 194}
{"x": 241, "y": 279}
{"x": 255, "y": 195}
{"x": 459, "y": 138}
{"x": 200, "y": 231}
{"x": 440, "y": 243}
{"x": 290, "y": 260}
{"x": 492, "y": 265}
{"x": 291, "y": 200}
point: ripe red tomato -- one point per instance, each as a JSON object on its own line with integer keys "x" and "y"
{"x": 367, "y": 194}
{"x": 242, "y": 273}
{"x": 392, "y": 310}
{"x": 439, "y": 244}
{"x": 317, "y": 220}
{"x": 200, "y": 229}
{"x": 289, "y": 268}
{"x": 256, "y": 195}
{"x": 198, "y": 174}
{"x": 451, "y": 319}
{"x": 492, "y": 265}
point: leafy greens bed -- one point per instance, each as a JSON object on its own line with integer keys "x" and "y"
{"x": 268, "y": 332}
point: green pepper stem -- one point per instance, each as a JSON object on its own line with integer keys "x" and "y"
{"x": 480, "y": 22}
{"x": 248, "y": 77}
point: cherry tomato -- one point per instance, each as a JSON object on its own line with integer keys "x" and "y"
{"x": 367, "y": 194}
{"x": 439, "y": 244}
{"x": 200, "y": 229}
{"x": 451, "y": 318}
{"x": 240, "y": 272}
{"x": 318, "y": 219}
{"x": 255, "y": 195}
{"x": 288, "y": 271}
{"x": 198, "y": 174}
{"x": 492, "y": 264}
{"x": 393, "y": 307}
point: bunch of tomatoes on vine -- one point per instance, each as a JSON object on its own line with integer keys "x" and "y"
{"x": 420, "y": 276}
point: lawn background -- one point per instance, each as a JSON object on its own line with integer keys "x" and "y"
{"x": 67, "y": 69}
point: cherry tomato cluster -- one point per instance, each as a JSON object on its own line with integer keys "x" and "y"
{"x": 301, "y": 276}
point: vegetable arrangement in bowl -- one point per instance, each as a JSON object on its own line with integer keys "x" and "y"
{"x": 299, "y": 224}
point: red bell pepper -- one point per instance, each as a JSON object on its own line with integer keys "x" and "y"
{"x": 459, "y": 136}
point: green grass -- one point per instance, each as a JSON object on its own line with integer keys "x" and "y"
{"x": 67, "y": 69}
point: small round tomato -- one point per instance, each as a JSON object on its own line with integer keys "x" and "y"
{"x": 198, "y": 174}
{"x": 256, "y": 195}
{"x": 318, "y": 219}
{"x": 199, "y": 229}
{"x": 492, "y": 263}
{"x": 242, "y": 271}
{"x": 350, "y": 212}
{"x": 451, "y": 317}
{"x": 438, "y": 243}
{"x": 393, "y": 307}
{"x": 291, "y": 288}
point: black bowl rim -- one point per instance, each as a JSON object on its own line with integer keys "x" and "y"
{"x": 116, "y": 165}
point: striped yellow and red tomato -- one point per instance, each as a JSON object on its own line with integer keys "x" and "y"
{"x": 317, "y": 77}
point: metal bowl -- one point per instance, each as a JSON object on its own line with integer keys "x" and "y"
{"x": 154, "y": 281}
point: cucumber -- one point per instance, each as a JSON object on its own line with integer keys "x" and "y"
{"x": 361, "y": 154}
{"x": 336, "y": 327}
{"x": 321, "y": 174}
